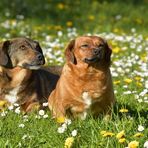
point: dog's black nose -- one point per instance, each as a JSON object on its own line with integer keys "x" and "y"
{"x": 96, "y": 51}
{"x": 40, "y": 57}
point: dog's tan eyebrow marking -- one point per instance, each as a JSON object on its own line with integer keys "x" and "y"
{"x": 27, "y": 43}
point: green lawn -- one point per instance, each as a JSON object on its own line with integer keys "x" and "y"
{"x": 53, "y": 24}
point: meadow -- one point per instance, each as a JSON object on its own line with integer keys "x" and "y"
{"x": 54, "y": 23}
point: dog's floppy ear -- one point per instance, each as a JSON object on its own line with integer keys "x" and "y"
{"x": 69, "y": 52}
{"x": 4, "y": 58}
{"x": 108, "y": 52}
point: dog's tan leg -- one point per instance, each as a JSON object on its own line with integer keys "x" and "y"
{"x": 57, "y": 110}
{"x": 79, "y": 110}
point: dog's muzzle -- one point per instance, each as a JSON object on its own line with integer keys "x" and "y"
{"x": 95, "y": 58}
{"x": 39, "y": 60}
{"x": 91, "y": 60}
{"x": 36, "y": 63}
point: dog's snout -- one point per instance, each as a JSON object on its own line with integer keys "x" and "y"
{"x": 39, "y": 57}
{"x": 96, "y": 51}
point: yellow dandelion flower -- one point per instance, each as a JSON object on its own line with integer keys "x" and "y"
{"x": 102, "y": 132}
{"x": 91, "y": 17}
{"x": 133, "y": 144}
{"x": 138, "y": 78}
{"x": 128, "y": 80}
{"x": 116, "y": 50}
{"x": 61, "y": 6}
{"x": 68, "y": 142}
{"x": 138, "y": 135}
{"x": 139, "y": 84}
{"x": 2, "y": 103}
{"x": 116, "y": 30}
{"x": 144, "y": 57}
{"x": 58, "y": 27}
{"x": 124, "y": 110}
{"x": 120, "y": 135}
{"x": 61, "y": 119}
{"x": 122, "y": 140}
{"x": 69, "y": 23}
{"x": 117, "y": 82}
{"x": 107, "y": 134}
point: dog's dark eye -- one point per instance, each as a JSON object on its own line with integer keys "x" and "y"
{"x": 22, "y": 47}
{"x": 100, "y": 46}
{"x": 84, "y": 45}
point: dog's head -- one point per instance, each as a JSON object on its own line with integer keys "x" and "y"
{"x": 88, "y": 49}
{"x": 22, "y": 52}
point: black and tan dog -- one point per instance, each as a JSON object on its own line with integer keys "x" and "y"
{"x": 21, "y": 80}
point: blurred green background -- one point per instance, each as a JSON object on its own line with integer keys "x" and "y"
{"x": 86, "y": 15}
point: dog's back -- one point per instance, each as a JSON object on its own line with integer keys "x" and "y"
{"x": 45, "y": 82}
{"x": 37, "y": 89}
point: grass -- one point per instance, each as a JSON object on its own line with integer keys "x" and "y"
{"x": 124, "y": 25}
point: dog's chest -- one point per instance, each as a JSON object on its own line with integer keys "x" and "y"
{"x": 95, "y": 90}
{"x": 90, "y": 97}
{"x": 12, "y": 95}
{"x": 88, "y": 101}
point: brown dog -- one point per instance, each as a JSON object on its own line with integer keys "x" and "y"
{"x": 85, "y": 83}
{"x": 21, "y": 80}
